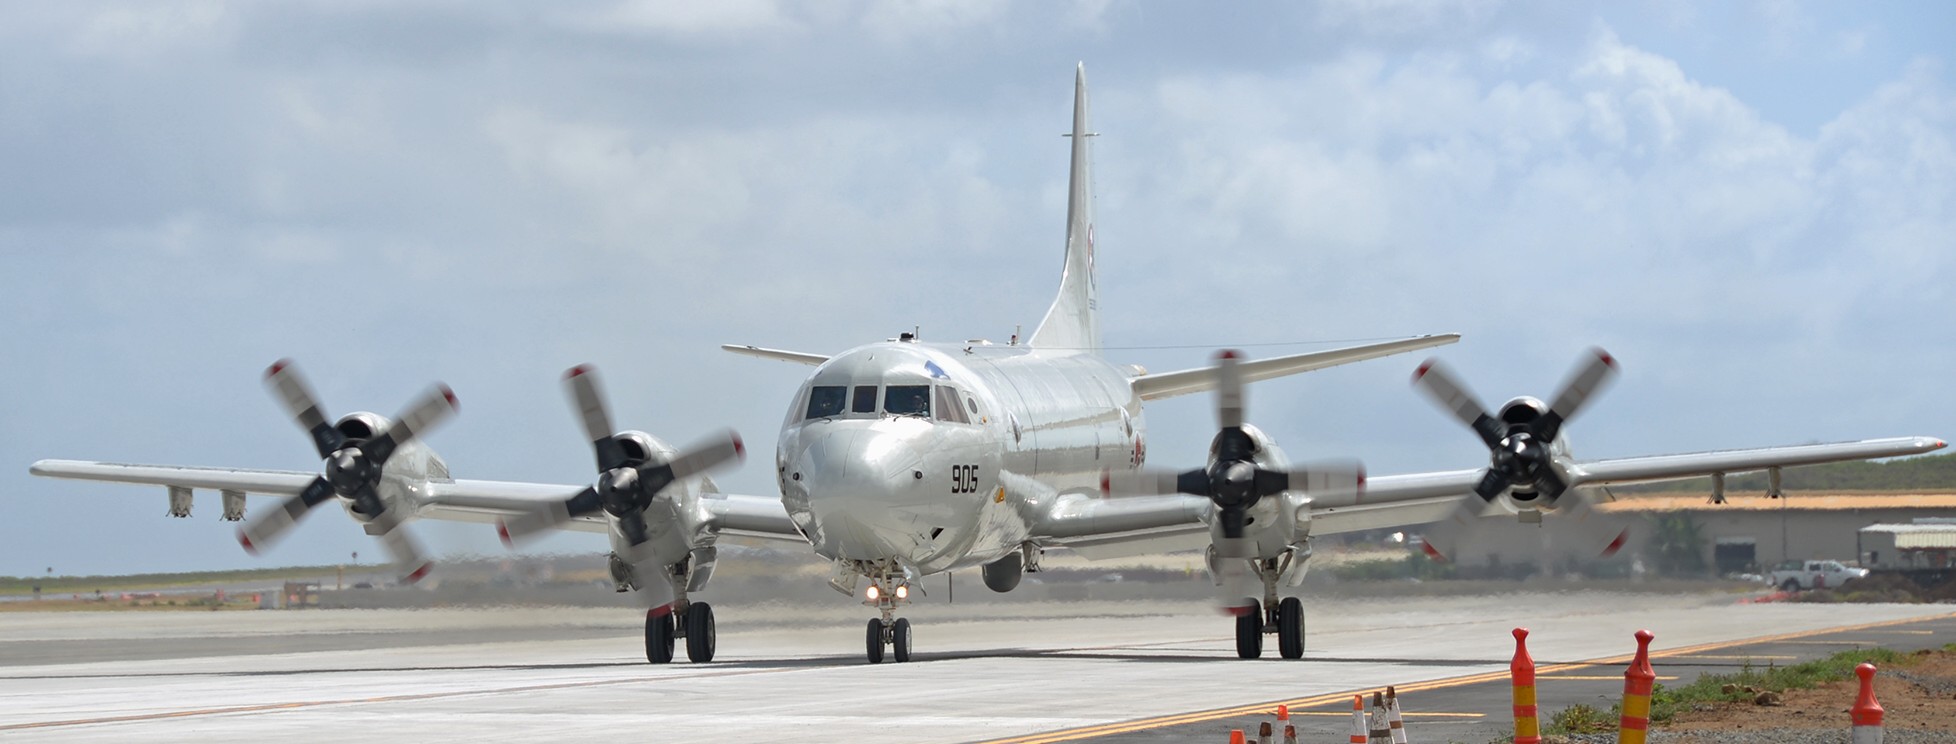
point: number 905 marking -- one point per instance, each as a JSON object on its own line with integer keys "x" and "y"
{"x": 964, "y": 479}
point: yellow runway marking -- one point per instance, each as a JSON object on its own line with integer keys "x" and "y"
{"x": 1830, "y": 643}
{"x": 1905, "y": 632}
{"x": 1345, "y": 697}
{"x": 1732, "y": 656}
{"x": 1591, "y": 676}
{"x": 1348, "y": 714}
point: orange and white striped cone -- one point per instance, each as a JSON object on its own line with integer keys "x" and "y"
{"x": 1393, "y": 717}
{"x": 1634, "y": 724}
{"x": 1376, "y": 730}
{"x": 1290, "y": 734}
{"x": 1522, "y": 672}
{"x": 1263, "y": 733}
{"x": 1867, "y": 710}
{"x": 1359, "y": 734}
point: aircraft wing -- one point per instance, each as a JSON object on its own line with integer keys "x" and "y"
{"x": 1670, "y": 467}
{"x": 269, "y": 482}
{"x": 1396, "y": 501}
{"x": 1103, "y": 528}
{"x": 1202, "y": 379}
{"x": 492, "y": 501}
{"x": 451, "y": 500}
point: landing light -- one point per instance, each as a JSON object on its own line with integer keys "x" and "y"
{"x": 903, "y": 591}
{"x": 872, "y": 593}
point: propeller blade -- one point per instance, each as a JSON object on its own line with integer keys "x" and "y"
{"x": 1150, "y": 482}
{"x": 265, "y": 529}
{"x": 548, "y": 515}
{"x": 1493, "y": 482}
{"x": 706, "y": 456}
{"x": 654, "y": 584}
{"x": 1340, "y": 480}
{"x": 582, "y": 381}
{"x": 1603, "y": 532}
{"x": 400, "y": 543}
{"x": 291, "y": 389}
{"x": 1438, "y": 382}
{"x": 434, "y": 407}
{"x": 1229, "y": 390}
{"x": 1583, "y": 384}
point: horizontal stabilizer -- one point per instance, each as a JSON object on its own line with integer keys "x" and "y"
{"x": 1202, "y": 379}
{"x": 777, "y": 354}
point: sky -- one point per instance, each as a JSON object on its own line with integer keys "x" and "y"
{"x": 1750, "y": 204}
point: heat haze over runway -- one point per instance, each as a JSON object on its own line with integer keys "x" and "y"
{"x": 784, "y": 672}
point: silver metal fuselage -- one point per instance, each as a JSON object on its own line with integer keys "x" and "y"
{"x": 934, "y": 494}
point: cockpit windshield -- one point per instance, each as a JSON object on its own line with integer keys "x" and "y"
{"x": 826, "y": 400}
{"x": 907, "y": 400}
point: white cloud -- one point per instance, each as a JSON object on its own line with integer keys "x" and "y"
{"x": 137, "y": 30}
{"x": 720, "y": 19}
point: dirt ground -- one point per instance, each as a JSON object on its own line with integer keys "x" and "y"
{"x": 1920, "y": 697}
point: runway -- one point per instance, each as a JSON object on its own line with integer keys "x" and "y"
{"x": 786, "y": 673}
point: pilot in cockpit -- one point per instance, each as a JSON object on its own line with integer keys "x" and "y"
{"x": 907, "y": 399}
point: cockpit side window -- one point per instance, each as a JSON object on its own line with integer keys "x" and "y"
{"x": 826, "y": 400}
{"x": 947, "y": 405}
{"x": 865, "y": 399}
{"x": 907, "y": 400}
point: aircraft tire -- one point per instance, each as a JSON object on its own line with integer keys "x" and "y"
{"x": 875, "y": 641}
{"x": 701, "y": 637}
{"x": 1290, "y": 628}
{"x": 1249, "y": 631}
{"x": 901, "y": 642}
{"x": 658, "y": 635}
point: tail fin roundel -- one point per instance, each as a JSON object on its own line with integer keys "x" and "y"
{"x": 1073, "y": 321}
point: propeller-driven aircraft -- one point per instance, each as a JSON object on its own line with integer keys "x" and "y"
{"x": 902, "y": 459}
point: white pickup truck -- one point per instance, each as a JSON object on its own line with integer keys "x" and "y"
{"x": 1797, "y": 575}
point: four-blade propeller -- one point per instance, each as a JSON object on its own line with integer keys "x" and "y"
{"x": 628, "y": 482}
{"x": 352, "y": 468}
{"x": 1233, "y": 481}
{"x": 1520, "y": 445}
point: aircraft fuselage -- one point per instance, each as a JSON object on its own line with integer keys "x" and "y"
{"x": 874, "y": 462}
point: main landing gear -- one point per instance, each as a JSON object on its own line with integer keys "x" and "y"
{"x": 1283, "y": 618}
{"x": 888, "y": 632}
{"x": 666, "y": 624}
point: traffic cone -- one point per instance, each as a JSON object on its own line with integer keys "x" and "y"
{"x": 1637, "y": 680}
{"x": 1290, "y": 734}
{"x": 1359, "y": 734}
{"x": 1236, "y": 736}
{"x": 1522, "y": 672}
{"x": 1867, "y": 711}
{"x": 1263, "y": 733}
{"x": 1393, "y": 718}
{"x": 1375, "y": 725}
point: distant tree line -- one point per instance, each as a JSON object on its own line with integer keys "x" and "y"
{"x": 1925, "y": 473}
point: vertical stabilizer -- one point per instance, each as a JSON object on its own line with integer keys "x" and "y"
{"x": 1073, "y": 322}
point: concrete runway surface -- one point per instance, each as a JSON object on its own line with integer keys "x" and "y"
{"x": 785, "y": 673}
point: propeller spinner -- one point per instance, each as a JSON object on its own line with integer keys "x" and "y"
{"x": 351, "y": 470}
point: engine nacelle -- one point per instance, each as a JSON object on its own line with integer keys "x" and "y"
{"x": 641, "y": 448}
{"x": 360, "y": 426}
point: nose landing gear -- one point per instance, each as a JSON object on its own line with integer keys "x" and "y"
{"x": 886, "y": 592}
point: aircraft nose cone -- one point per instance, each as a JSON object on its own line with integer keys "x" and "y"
{"x": 863, "y": 489}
